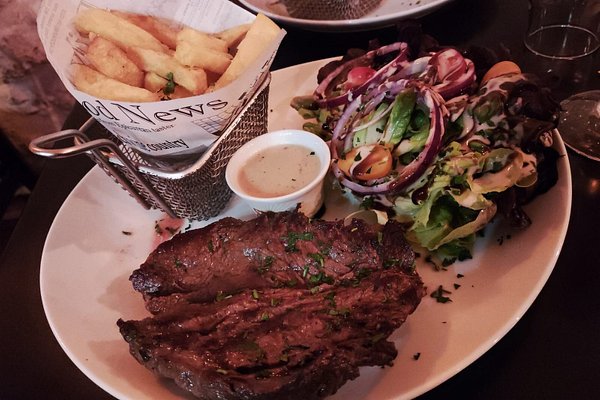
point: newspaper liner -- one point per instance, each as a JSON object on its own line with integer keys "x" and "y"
{"x": 164, "y": 128}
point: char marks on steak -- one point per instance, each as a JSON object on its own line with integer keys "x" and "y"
{"x": 279, "y": 307}
{"x": 270, "y": 251}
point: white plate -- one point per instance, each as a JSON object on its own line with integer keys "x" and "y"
{"x": 87, "y": 261}
{"x": 387, "y": 13}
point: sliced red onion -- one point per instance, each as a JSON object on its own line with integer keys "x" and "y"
{"x": 338, "y": 136}
{"x": 374, "y": 120}
{"x": 323, "y": 91}
{"x": 406, "y": 175}
{"x": 343, "y": 132}
{"x": 455, "y": 74}
{"x": 414, "y": 69}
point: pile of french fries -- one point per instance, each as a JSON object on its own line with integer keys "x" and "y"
{"x": 139, "y": 58}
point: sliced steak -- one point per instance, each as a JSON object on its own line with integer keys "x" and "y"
{"x": 279, "y": 307}
{"x": 270, "y": 251}
{"x": 279, "y": 343}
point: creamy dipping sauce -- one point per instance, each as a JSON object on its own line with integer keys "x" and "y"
{"x": 279, "y": 170}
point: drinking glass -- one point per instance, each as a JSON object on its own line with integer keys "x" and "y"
{"x": 579, "y": 123}
{"x": 562, "y": 43}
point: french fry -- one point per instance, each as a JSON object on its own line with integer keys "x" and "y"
{"x": 261, "y": 34}
{"x": 200, "y": 50}
{"x": 156, "y": 83}
{"x": 158, "y": 28}
{"x": 116, "y": 29}
{"x": 162, "y": 64}
{"x": 233, "y": 36}
{"x": 157, "y": 56}
{"x": 202, "y": 39}
{"x": 207, "y": 59}
{"x": 96, "y": 84}
{"x": 110, "y": 60}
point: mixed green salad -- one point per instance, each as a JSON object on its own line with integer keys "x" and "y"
{"x": 432, "y": 145}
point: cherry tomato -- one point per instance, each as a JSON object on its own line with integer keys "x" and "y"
{"x": 366, "y": 162}
{"x": 358, "y": 75}
{"x": 499, "y": 69}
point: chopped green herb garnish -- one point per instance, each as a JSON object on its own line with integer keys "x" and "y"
{"x": 319, "y": 278}
{"x": 362, "y": 273}
{"x": 324, "y": 248}
{"x": 252, "y": 350}
{"x": 265, "y": 264}
{"x": 292, "y": 237}
{"x": 390, "y": 262}
{"x": 291, "y": 283}
{"x": 330, "y": 297}
{"x": 456, "y": 286}
{"x": 416, "y": 356}
{"x": 459, "y": 275}
{"x": 222, "y": 296}
{"x": 317, "y": 257}
{"x": 440, "y": 295}
{"x": 126, "y": 233}
{"x": 437, "y": 267}
{"x": 344, "y": 311}
{"x": 265, "y": 317}
{"x": 376, "y": 338}
{"x": 305, "y": 271}
{"x": 255, "y": 294}
{"x": 211, "y": 247}
{"x": 169, "y": 88}
{"x": 275, "y": 302}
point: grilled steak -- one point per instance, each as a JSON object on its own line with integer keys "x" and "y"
{"x": 270, "y": 251}
{"x": 279, "y": 307}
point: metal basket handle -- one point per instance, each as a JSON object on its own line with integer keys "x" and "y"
{"x": 48, "y": 146}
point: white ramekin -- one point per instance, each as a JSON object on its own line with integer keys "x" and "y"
{"x": 310, "y": 197}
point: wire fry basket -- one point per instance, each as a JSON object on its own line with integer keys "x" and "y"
{"x": 197, "y": 192}
{"x": 329, "y": 9}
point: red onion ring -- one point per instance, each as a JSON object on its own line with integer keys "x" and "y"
{"x": 454, "y": 73}
{"x": 406, "y": 175}
{"x": 321, "y": 92}
{"x": 367, "y": 103}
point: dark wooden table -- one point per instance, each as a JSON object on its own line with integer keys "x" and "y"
{"x": 552, "y": 353}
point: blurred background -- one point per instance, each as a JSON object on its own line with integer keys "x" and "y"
{"x": 33, "y": 102}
